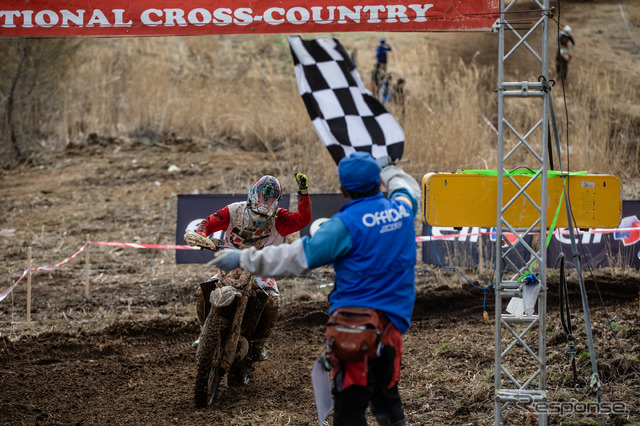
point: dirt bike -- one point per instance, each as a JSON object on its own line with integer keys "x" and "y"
{"x": 232, "y": 313}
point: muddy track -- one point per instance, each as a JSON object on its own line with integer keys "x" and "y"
{"x": 143, "y": 371}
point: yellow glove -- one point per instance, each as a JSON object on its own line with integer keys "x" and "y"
{"x": 303, "y": 183}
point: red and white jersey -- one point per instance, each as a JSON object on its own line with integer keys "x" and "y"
{"x": 243, "y": 233}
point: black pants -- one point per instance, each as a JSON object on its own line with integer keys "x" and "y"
{"x": 350, "y": 404}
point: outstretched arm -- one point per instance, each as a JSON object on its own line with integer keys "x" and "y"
{"x": 331, "y": 242}
{"x": 400, "y": 185}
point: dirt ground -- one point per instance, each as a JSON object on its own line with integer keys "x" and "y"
{"x": 124, "y": 354}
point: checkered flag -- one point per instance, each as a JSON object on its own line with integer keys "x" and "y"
{"x": 344, "y": 113}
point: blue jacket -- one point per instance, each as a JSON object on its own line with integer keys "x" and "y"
{"x": 371, "y": 243}
{"x": 381, "y": 53}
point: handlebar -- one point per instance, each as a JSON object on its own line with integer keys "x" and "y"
{"x": 196, "y": 240}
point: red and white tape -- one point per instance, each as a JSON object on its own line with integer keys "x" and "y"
{"x": 510, "y": 234}
{"x": 7, "y": 291}
{"x": 145, "y": 246}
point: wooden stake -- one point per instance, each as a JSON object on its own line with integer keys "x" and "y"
{"x": 86, "y": 272}
{"x": 29, "y": 286}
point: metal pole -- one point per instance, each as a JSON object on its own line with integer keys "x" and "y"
{"x": 542, "y": 297}
{"x": 499, "y": 187}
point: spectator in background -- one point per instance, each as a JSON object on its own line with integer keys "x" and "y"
{"x": 377, "y": 77}
{"x": 381, "y": 54}
{"x": 399, "y": 94}
{"x": 564, "y": 52}
{"x": 387, "y": 89}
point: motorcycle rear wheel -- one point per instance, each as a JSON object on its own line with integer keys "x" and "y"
{"x": 208, "y": 357}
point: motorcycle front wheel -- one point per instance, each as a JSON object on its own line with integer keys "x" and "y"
{"x": 208, "y": 357}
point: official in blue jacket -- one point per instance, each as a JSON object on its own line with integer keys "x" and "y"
{"x": 371, "y": 244}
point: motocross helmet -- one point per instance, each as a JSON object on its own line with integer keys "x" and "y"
{"x": 566, "y": 29}
{"x": 264, "y": 196}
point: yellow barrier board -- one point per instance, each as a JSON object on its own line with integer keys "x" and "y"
{"x": 460, "y": 199}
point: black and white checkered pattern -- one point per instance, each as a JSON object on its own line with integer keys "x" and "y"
{"x": 344, "y": 113}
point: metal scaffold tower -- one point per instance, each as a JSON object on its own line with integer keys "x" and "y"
{"x": 520, "y": 339}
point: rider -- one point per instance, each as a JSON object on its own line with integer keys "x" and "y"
{"x": 258, "y": 222}
{"x": 564, "y": 49}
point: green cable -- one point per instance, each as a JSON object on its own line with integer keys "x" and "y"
{"x": 550, "y": 173}
{"x": 551, "y": 228}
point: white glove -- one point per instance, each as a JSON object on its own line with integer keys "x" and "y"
{"x": 384, "y": 161}
{"x": 227, "y": 260}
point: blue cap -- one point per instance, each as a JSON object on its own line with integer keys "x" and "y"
{"x": 359, "y": 172}
{"x": 382, "y": 41}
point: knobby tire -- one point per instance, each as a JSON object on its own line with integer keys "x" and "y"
{"x": 208, "y": 357}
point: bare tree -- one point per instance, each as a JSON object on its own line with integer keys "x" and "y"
{"x": 30, "y": 77}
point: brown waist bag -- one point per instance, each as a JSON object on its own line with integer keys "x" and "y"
{"x": 355, "y": 334}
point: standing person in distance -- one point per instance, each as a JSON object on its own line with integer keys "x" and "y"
{"x": 399, "y": 94}
{"x": 376, "y": 81}
{"x": 563, "y": 55}
{"x": 257, "y": 222}
{"x": 381, "y": 55}
{"x": 371, "y": 244}
{"x": 387, "y": 89}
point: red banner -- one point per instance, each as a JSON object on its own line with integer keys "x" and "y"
{"x": 61, "y": 18}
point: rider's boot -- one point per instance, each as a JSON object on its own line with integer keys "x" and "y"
{"x": 197, "y": 341}
{"x": 258, "y": 350}
{"x": 265, "y": 326}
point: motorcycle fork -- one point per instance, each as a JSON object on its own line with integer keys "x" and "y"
{"x": 236, "y": 326}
